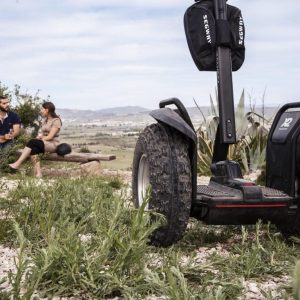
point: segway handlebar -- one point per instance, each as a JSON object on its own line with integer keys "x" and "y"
{"x": 182, "y": 110}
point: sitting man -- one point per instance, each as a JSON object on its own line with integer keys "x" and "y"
{"x": 9, "y": 123}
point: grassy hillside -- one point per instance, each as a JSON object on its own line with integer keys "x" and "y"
{"x": 82, "y": 237}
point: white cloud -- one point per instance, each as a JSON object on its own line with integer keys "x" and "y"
{"x": 94, "y": 54}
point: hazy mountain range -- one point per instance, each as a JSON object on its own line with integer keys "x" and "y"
{"x": 138, "y": 112}
{"x": 96, "y": 114}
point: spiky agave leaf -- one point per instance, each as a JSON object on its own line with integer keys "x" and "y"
{"x": 240, "y": 119}
{"x": 211, "y": 127}
{"x": 205, "y": 153}
{"x": 199, "y": 108}
{"x": 213, "y": 107}
{"x": 257, "y": 151}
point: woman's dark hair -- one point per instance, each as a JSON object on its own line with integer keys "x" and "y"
{"x": 51, "y": 109}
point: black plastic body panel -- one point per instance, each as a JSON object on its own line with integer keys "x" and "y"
{"x": 282, "y": 161}
{"x": 171, "y": 118}
{"x": 246, "y": 215}
{"x": 286, "y": 126}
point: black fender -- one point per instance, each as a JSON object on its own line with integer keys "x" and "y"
{"x": 173, "y": 119}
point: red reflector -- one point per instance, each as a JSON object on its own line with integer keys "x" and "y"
{"x": 248, "y": 184}
{"x": 249, "y": 205}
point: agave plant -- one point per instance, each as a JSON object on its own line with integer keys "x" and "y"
{"x": 251, "y": 136}
{"x": 205, "y": 145}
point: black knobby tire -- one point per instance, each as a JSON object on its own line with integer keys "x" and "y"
{"x": 169, "y": 172}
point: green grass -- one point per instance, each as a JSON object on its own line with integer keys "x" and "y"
{"x": 123, "y": 161}
{"x": 82, "y": 237}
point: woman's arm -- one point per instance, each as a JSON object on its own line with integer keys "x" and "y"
{"x": 53, "y": 132}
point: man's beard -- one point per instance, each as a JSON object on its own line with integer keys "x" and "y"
{"x": 3, "y": 109}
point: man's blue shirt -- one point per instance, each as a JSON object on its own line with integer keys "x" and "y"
{"x": 11, "y": 119}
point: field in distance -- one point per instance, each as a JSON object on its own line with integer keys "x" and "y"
{"x": 107, "y": 139}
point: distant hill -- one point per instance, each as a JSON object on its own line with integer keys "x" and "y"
{"x": 135, "y": 113}
{"x": 123, "y": 110}
{"x": 268, "y": 112}
{"x": 84, "y": 115}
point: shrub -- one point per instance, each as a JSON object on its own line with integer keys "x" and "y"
{"x": 84, "y": 149}
{"x": 28, "y": 108}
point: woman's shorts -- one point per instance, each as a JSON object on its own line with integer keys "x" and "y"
{"x": 36, "y": 146}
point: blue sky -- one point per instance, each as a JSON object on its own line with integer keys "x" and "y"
{"x": 93, "y": 54}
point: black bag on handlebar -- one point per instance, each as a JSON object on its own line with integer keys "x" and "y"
{"x": 204, "y": 34}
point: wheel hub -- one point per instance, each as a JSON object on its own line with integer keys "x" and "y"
{"x": 143, "y": 180}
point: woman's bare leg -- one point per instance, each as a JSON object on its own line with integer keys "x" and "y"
{"x": 36, "y": 166}
{"x": 25, "y": 154}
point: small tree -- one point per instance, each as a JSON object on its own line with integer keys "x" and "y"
{"x": 4, "y": 90}
{"x": 28, "y": 108}
{"x": 25, "y": 105}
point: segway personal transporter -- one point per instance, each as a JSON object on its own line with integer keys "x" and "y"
{"x": 165, "y": 156}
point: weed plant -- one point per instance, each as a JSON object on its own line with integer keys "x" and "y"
{"x": 81, "y": 237}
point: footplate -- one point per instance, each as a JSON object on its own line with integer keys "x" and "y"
{"x": 246, "y": 204}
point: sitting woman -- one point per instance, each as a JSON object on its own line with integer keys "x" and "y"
{"x": 46, "y": 141}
